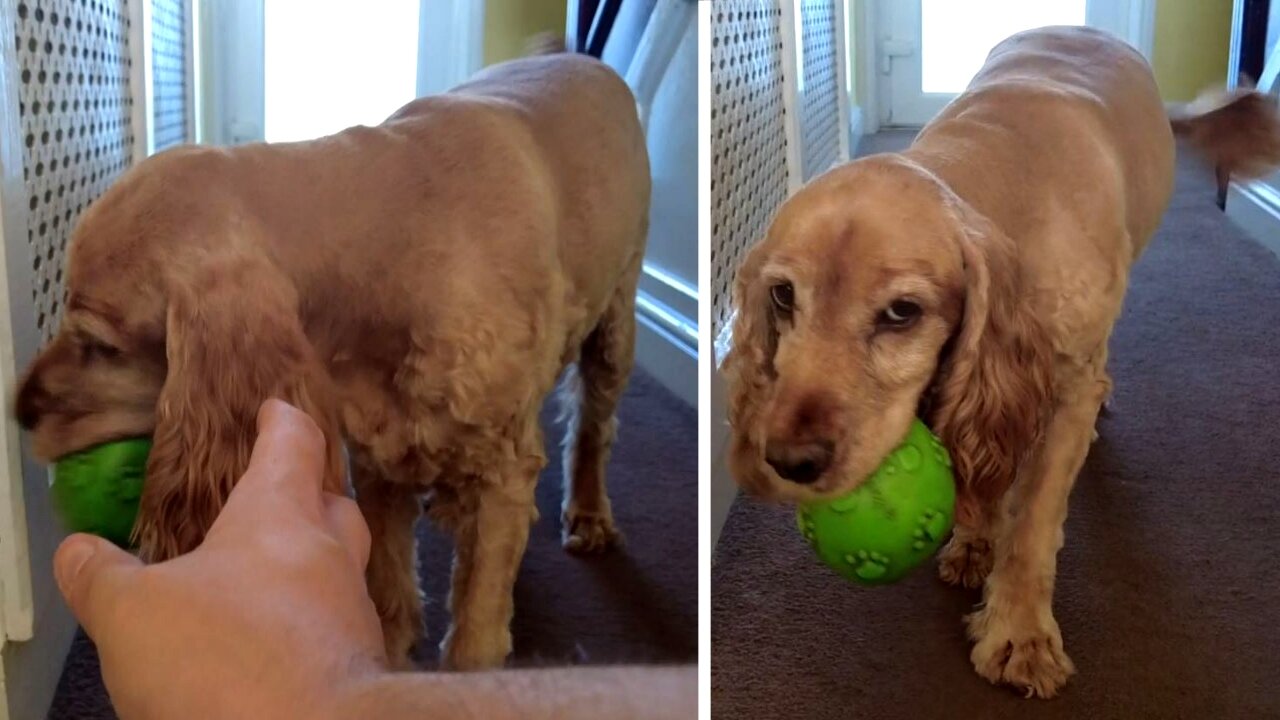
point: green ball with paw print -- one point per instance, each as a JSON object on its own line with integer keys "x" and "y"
{"x": 893, "y": 522}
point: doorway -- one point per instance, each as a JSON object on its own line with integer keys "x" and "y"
{"x": 929, "y": 50}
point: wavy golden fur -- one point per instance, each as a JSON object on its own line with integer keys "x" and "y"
{"x": 973, "y": 280}
{"x": 416, "y": 287}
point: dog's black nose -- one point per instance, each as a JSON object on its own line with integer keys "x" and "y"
{"x": 32, "y": 400}
{"x": 801, "y": 463}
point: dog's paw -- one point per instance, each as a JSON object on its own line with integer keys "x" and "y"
{"x": 476, "y": 650}
{"x": 965, "y": 562}
{"x": 1026, "y": 655}
{"x": 588, "y": 532}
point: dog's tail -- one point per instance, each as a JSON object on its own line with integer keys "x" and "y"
{"x": 545, "y": 43}
{"x": 1238, "y": 131}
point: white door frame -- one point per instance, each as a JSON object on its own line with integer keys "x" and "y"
{"x": 140, "y": 77}
{"x": 1132, "y": 20}
{"x": 449, "y": 52}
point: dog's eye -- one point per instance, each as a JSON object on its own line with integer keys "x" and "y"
{"x": 92, "y": 349}
{"x": 784, "y": 297}
{"x": 899, "y": 314}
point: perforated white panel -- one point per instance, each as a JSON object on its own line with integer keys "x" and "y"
{"x": 169, "y": 72}
{"x": 748, "y": 138}
{"x": 821, "y": 95}
{"x": 73, "y": 59}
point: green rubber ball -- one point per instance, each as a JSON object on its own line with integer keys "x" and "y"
{"x": 97, "y": 490}
{"x": 894, "y": 521}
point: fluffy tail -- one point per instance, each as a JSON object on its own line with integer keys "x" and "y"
{"x": 544, "y": 43}
{"x": 1236, "y": 130}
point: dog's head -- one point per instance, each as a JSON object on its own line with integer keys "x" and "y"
{"x": 877, "y": 295}
{"x": 178, "y": 326}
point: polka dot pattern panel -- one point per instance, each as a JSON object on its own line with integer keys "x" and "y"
{"x": 819, "y": 103}
{"x": 75, "y": 106}
{"x": 748, "y": 137}
{"x": 168, "y": 72}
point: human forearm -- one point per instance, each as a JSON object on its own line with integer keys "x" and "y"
{"x": 625, "y": 693}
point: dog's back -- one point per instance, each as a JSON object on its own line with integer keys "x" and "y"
{"x": 533, "y": 174}
{"x": 580, "y": 118}
{"x": 1066, "y": 123}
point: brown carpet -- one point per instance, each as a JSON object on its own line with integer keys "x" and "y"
{"x": 639, "y": 604}
{"x": 1168, "y": 589}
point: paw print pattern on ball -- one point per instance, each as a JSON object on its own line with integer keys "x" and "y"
{"x": 868, "y": 565}
{"x": 933, "y": 526}
{"x": 891, "y": 523}
{"x": 808, "y": 528}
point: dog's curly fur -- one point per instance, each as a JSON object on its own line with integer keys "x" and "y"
{"x": 416, "y": 287}
{"x": 973, "y": 280}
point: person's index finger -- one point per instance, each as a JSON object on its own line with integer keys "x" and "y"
{"x": 288, "y": 455}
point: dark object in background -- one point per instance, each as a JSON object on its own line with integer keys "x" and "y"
{"x": 1253, "y": 39}
{"x": 1255, "y": 17}
{"x": 594, "y": 22}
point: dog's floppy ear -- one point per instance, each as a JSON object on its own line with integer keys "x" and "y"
{"x": 995, "y": 386}
{"x": 234, "y": 339}
{"x": 748, "y": 366}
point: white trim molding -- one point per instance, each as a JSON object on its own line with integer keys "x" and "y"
{"x": 1255, "y": 207}
{"x": 1233, "y": 55}
{"x": 792, "y": 86}
{"x": 667, "y": 334}
{"x": 195, "y": 131}
{"x": 17, "y": 614}
{"x": 140, "y": 78}
{"x": 865, "y": 20}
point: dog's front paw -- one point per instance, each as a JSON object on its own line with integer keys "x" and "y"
{"x": 464, "y": 650}
{"x": 1025, "y": 654}
{"x": 588, "y": 532}
{"x": 965, "y": 562}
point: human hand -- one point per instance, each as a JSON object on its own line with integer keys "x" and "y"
{"x": 269, "y": 617}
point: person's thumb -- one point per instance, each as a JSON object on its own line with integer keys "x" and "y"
{"x": 91, "y": 572}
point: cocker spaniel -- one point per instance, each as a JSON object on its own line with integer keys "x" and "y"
{"x": 416, "y": 287}
{"x": 973, "y": 280}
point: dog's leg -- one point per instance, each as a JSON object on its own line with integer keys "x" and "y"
{"x": 965, "y": 560}
{"x": 1017, "y": 640}
{"x": 490, "y": 541}
{"x": 590, "y": 397}
{"x": 390, "y": 511}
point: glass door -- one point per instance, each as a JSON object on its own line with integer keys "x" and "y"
{"x": 931, "y": 49}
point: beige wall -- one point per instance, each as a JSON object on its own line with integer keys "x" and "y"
{"x": 1192, "y": 42}
{"x": 508, "y": 25}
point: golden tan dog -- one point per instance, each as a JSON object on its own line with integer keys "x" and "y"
{"x": 973, "y": 280}
{"x": 416, "y": 287}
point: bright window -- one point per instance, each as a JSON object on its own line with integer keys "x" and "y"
{"x": 332, "y": 65}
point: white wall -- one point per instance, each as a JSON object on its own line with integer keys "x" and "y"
{"x": 666, "y": 345}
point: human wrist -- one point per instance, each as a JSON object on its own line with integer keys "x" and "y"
{"x": 666, "y": 693}
{"x": 393, "y": 695}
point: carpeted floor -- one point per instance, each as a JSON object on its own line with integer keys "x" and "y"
{"x": 1168, "y": 589}
{"x": 635, "y": 605}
